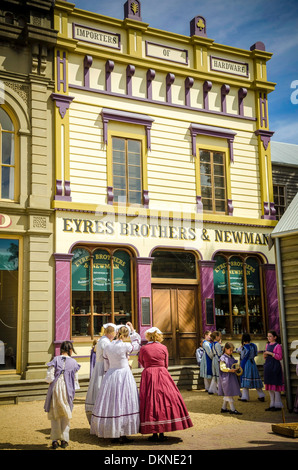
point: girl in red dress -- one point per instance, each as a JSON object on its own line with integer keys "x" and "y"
{"x": 162, "y": 408}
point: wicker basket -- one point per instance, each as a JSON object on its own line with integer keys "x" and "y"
{"x": 287, "y": 429}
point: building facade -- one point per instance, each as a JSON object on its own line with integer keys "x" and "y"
{"x": 27, "y": 40}
{"x": 163, "y": 184}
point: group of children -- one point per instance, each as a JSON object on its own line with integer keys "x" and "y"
{"x": 223, "y": 374}
{"x": 114, "y": 407}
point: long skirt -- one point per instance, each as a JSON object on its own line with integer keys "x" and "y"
{"x": 116, "y": 410}
{"x": 93, "y": 388}
{"x": 162, "y": 408}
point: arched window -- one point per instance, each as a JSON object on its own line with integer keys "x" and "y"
{"x": 239, "y": 299}
{"x": 8, "y": 160}
{"x": 174, "y": 264}
{"x": 101, "y": 289}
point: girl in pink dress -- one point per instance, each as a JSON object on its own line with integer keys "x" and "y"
{"x": 273, "y": 375}
{"x": 162, "y": 408}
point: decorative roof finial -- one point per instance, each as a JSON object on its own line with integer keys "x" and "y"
{"x": 198, "y": 26}
{"x": 132, "y": 10}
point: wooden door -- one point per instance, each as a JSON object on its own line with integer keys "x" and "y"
{"x": 175, "y": 312}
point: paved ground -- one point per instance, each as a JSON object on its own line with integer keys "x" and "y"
{"x": 25, "y": 427}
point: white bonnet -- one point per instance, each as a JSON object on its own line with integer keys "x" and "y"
{"x": 153, "y": 329}
{"x": 109, "y": 324}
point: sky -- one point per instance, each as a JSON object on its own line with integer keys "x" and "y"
{"x": 238, "y": 23}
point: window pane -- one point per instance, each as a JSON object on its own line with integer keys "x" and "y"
{"x": 218, "y": 157}
{"x": 134, "y": 184}
{"x": 134, "y": 172}
{"x": 220, "y": 206}
{"x": 219, "y": 193}
{"x": 174, "y": 264}
{"x": 118, "y": 157}
{"x": 206, "y": 180}
{"x": 119, "y": 182}
{"x": 7, "y": 148}
{"x": 206, "y": 192}
{"x": 7, "y": 187}
{"x": 218, "y": 170}
{"x": 205, "y": 169}
{"x": 9, "y": 264}
{"x": 135, "y": 197}
{"x": 120, "y": 195}
{"x": 118, "y": 144}
{"x": 5, "y": 121}
{"x": 219, "y": 182}
{"x": 204, "y": 156}
{"x": 207, "y": 204}
{"x": 134, "y": 146}
{"x": 118, "y": 170}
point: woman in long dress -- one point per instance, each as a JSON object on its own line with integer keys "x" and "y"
{"x": 116, "y": 411}
{"x": 98, "y": 370}
{"x": 273, "y": 374}
{"x": 162, "y": 408}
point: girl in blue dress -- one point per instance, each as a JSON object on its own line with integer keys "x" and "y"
{"x": 206, "y": 363}
{"x": 250, "y": 377}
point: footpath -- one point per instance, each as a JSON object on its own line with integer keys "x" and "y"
{"x": 25, "y": 426}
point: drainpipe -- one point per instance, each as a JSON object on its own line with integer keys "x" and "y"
{"x": 283, "y": 325}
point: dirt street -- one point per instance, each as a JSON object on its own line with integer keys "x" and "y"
{"x": 26, "y": 427}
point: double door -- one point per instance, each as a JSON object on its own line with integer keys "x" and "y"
{"x": 175, "y": 313}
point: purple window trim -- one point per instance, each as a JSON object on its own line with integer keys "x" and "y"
{"x": 269, "y": 211}
{"x": 228, "y": 134}
{"x": 150, "y": 77}
{"x": 109, "y": 67}
{"x": 170, "y": 78}
{"x": 130, "y": 71}
{"x": 230, "y": 207}
{"x": 156, "y": 102}
{"x": 59, "y": 191}
{"x": 265, "y": 136}
{"x": 110, "y": 195}
{"x": 206, "y": 88}
{"x": 59, "y": 80}
{"x": 62, "y": 102}
{"x": 123, "y": 116}
{"x": 224, "y": 91}
{"x": 88, "y": 59}
{"x": 242, "y": 92}
{"x": 146, "y": 198}
{"x": 188, "y": 84}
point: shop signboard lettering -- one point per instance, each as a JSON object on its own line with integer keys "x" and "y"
{"x": 218, "y": 64}
{"x": 96, "y": 36}
{"x": 189, "y": 232}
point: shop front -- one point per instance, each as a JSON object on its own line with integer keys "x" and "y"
{"x": 110, "y": 268}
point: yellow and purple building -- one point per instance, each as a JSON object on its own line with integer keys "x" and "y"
{"x": 163, "y": 184}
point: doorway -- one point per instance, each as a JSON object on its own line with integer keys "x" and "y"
{"x": 175, "y": 313}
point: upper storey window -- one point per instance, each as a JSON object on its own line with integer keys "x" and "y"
{"x": 213, "y": 181}
{"x": 7, "y": 146}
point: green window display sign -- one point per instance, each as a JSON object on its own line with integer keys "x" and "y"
{"x": 101, "y": 271}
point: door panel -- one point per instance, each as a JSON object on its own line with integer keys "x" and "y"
{"x": 175, "y": 314}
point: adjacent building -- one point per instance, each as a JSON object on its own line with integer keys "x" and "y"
{"x": 27, "y": 40}
{"x": 162, "y": 194}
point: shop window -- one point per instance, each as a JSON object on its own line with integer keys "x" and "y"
{"x": 9, "y": 281}
{"x": 127, "y": 170}
{"x": 280, "y": 199}
{"x": 174, "y": 264}
{"x": 7, "y": 148}
{"x": 101, "y": 289}
{"x": 239, "y": 306}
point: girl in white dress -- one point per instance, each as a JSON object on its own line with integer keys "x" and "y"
{"x": 116, "y": 411}
{"x": 98, "y": 371}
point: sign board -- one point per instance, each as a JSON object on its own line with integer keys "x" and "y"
{"x": 160, "y": 51}
{"x": 218, "y": 64}
{"x": 95, "y": 36}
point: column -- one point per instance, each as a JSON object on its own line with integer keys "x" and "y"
{"x": 143, "y": 290}
{"x": 207, "y": 289}
{"x": 62, "y": 299}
